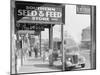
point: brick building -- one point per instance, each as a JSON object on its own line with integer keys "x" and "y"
{"x": 86, "y": 38}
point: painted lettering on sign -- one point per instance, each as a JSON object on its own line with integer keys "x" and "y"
{"x": 39, "y": 13}
{"x": 42, "y": 13}
{"x": 83, "y": 9}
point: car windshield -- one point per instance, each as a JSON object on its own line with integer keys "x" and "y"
{"x": 71, "y": 49}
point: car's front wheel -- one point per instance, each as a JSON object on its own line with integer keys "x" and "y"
{"x": 82, "y": 65}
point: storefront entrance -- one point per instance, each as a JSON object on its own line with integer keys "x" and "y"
{"x": 35, "y": 38}
{"x": 41, "y": 41}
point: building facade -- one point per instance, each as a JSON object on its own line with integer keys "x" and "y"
{"x": 86, "y": 38}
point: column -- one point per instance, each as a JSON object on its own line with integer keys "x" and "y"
{"x": 40, "y": 42}
{"x": 50, "y": 45}
{"x": 22, "y": 53}
{"x": 51, "y": 37}
{"x": 62, "y": 48}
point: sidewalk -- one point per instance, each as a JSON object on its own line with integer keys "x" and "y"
{"x": 32, "y": 65}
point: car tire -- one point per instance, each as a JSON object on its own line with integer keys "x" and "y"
{"x": 82, "y": 65}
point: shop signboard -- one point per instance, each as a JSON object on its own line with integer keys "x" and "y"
{"x": 29, "y": 26}
{"x": 39, "y": 13}
{"x": 83, "y": 9}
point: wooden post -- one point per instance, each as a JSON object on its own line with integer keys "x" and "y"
{"x": 40, "y": 43}
{"x": 16, "y": 61}
{"x": 50, "y": 45}
{"x": 22, "y": 53}
{"x": 51, "y": 37}
{"x": 62, "y": 48}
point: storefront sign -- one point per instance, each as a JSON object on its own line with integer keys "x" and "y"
{"x": 29, "y": 26}
{"x": 42, "y": 13}
{"x": 83, "y": 9}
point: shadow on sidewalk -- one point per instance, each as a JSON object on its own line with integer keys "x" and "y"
{"x": 34, "y": 59}
{"x": 47, "y": 66}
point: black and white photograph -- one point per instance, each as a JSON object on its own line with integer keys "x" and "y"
{"x": 51, "y": 37}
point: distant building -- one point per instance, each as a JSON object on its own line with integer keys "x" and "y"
{"x": 86, "y": 38}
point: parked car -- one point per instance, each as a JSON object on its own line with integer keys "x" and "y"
{"x": 72, "y": 60}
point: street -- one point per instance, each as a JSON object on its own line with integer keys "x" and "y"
{"x": 32, "y": 64}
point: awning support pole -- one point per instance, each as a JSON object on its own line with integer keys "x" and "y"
{"x": 50, "y": 45}
{"x": 63, "y": 52}
{"x": 40, "y": 43}
{"x": 51, "y": 37}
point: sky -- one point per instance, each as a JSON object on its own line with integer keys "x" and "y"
{"x": 74, "y": 23}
